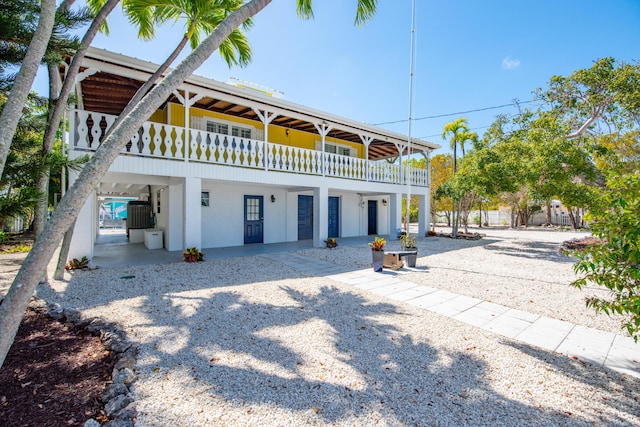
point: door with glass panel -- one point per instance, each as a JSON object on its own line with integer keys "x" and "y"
{"x": 253, "y": 219}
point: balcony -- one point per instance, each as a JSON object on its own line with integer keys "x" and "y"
{"x": 162, "y": 141}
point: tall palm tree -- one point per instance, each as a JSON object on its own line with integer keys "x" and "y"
{"x": 457, "y": 130}
{"x": 25, "y": 282}
{"x": 24, "y": 79}
{"x": 201, "y": 17}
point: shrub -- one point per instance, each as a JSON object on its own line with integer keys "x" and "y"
{"x": 615, "y": 263}
{"x": 76, "y": 264}
{"x": 193, "y": 255}
{"x": 378, "y": 244}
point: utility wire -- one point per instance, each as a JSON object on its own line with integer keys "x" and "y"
{"x": 517, "y": 104}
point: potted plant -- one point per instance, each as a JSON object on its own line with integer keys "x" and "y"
{"x": 331, "y": 242}
{"x": 377, "y": 252}
{"x": 77, "y": 264}
{"x": 193, "y": 255}
{"x": 408, "y": 243}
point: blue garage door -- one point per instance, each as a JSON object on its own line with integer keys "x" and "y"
{"x": 334, "y": 217}
{"x": 305, "y": 217}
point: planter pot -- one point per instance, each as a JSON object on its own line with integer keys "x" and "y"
{"x": 378, "y": 259}
{"x": 411, "y": 260}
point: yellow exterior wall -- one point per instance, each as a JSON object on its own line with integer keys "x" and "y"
{"x": 160, "y": 116}
{"x": 277, "y": 134}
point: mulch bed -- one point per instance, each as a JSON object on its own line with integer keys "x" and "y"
{"x": 54, "y": 375}
{"x": 467, "y": 236}
{"x": 579, "y": 244}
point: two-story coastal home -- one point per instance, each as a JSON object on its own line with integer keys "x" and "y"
{"x": 222, "y": 165}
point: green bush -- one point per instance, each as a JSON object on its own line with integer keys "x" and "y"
{"x": 615, "y": 263}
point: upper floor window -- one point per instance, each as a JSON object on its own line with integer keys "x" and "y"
{"x": 338, "y": 149}
{"x": 216, "y": 127}
{"x": 223, "y": 128}
{"x": 241, "y": 132}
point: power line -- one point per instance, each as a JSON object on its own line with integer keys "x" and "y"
{"x": 440, "y": 135}
{"x": 516, "y": 103}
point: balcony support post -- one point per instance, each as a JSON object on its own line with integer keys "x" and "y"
{"x": 187, "y": 102}
{"x": 366, "y": 140}
{"x": 266, "y": 118}
{"x": 323, "y": 129}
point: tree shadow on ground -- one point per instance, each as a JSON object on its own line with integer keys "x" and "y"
{"x": 533, "y": 250}
{"x": 331, "y": 355}
{"x": 621, "y": 391}
{"x": 324, "y": 354}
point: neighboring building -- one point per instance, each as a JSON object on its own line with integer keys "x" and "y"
{"x": 224, "y": 165}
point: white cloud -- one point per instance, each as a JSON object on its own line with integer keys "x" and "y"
{"x": 510, "y": 63}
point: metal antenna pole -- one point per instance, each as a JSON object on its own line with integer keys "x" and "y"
{"x": 411, "y": 67}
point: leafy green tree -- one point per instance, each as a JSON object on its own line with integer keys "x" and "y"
{"x": 441, "y": 172}
{"x": 615, "y": 264}
{"x": 459, "y": 134}
{"x": 24, "y": 284}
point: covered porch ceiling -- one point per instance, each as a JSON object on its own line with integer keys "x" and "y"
{"x": 105, "y": 89}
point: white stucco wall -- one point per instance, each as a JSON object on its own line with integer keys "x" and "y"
{"x": 350, "y": 214}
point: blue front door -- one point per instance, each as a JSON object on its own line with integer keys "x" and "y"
{"x": 334, "y": 217}
{"x": 253, "y": 219}
{"x": 372, "y": 223}
{"x": 305, "y": 217}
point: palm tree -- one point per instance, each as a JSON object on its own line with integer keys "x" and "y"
{"x": 24, "y": 79}
{"x": 457, "y": 130}
{"x": 25, "y": 282}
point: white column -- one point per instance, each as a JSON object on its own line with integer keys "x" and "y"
{"x": 424, "y": 215}
{"x": 174, "y": 197}
{"x": 84, "y": 233}
{"x": 192, "y": 213}
{"x": 320, "y": 216}
{"x": 395, "y": 215}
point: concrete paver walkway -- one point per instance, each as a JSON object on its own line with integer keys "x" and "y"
{"x": 599, "y": 348}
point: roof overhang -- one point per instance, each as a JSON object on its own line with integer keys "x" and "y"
{"x": 110, "y": 80}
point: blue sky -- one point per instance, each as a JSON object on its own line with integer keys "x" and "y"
{"x": 469, "y": 55}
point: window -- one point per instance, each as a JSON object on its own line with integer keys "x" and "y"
{"x": 336, "y": 149}
{"x": 204, "y": 198}
{"x": 241, "y": 132}
{"x": 253, "y": 209}
{"x": 223, "y": 128}
{"x": 345, "y": 151}
{"x": 158, "y": 202}
{"x": 216, "y": 127}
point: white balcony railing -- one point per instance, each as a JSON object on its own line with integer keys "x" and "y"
{"x": 163, "y": 141}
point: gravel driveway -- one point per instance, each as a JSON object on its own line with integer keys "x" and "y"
{"x": 251, "y": 342}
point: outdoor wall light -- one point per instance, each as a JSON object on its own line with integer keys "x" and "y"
{"x": 286, "y": 132}
{"x": 273, "y": 198}
{"x": 384, "y": 202}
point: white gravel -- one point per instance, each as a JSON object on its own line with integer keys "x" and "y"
{"x": 251, "y": 342}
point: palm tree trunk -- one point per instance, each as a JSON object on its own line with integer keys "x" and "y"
{"x": 64, "y": 252}
{"x": 23, "y": 81}
{"x": 25, "y": 282}
{"x": 42, "y": 206}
